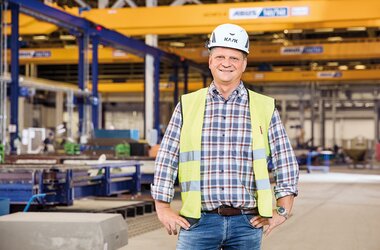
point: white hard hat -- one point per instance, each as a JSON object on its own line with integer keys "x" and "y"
{"x": 229, "y": 36}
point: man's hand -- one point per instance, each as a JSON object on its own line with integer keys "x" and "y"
{"x": 270, "y": 223}
{"x": 276, "y": 220}
{"x": 169, "y": 218}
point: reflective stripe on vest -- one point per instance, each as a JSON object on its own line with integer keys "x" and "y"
{"x": 193, "y": 108}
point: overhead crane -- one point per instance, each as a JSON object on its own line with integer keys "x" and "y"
{"x": 370, "y": 76}
{"x": 299, "y": 51}
{"x": 253, "y": 16}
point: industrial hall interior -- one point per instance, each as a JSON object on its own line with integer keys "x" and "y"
{"x": 88, "y": 89}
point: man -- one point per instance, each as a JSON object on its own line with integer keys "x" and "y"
{"x": 218, "y": 141}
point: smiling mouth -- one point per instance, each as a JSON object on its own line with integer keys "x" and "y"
{"x": 226, "y": 70}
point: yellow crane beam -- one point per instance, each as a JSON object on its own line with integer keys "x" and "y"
{"x": 201, "y": 19}
{"x": 70, "y": 56}
{"x": 368, "y": 49}
{"x": 371, "y": 76}
{"x": 254, "y": 16}
{"x": 365, "y": 49}
{"x": 29, "y": 25}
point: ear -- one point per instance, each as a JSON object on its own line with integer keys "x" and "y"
{"x": 209, "y": 61}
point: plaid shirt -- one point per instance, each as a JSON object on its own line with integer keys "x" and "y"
{"x": 227, "y": 176}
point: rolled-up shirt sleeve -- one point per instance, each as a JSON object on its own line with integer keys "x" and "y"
{"x": 166, "y": 164}
{"x": 285, "y": 165}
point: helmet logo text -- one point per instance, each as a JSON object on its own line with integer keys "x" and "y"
{"x": 229, "y": 39}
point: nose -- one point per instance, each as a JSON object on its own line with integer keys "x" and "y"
{"x": 226, "y": 63}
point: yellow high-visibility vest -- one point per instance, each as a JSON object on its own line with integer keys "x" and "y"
{"x": 189, "y": 172}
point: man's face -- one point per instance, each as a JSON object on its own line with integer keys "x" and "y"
{"x": 227, "y": 65}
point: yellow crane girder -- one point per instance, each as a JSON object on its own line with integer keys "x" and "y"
{"x": 201, "y": 19}
{"x": 254, "y": 16}
{"x": 70, "y": 56}
{"x": 29, "y": 25}
{"x": 337, "y": 76}
{"x": 365, "y": 49}
{"x": 259, "y": 78}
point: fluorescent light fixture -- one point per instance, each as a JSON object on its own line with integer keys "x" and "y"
{"x": 67, "y": 37}
{"x": 356, "y": 29}
{"x": 324, "y": 30}
{"x": 177, "y": 44}
{"x": 334, "y": 39}
{"x": 343, "y": 67}
{"x": 332, "y": 64}
{"x": 360, "y": 66}
{"x": 40, "y": 38}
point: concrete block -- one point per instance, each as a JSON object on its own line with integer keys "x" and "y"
{"x": 62, "y": 231}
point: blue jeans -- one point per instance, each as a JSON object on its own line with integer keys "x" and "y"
{"x": 215, "y": 232}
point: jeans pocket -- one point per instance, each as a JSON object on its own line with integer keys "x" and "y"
{"x": 193, "y": 222}
{"x": 247, "y": 219}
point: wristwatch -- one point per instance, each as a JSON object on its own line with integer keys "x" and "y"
{"x": 282, "y": 211}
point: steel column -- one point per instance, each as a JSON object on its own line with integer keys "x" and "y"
{"x": 149, "y": 88}
{"x": 312, "y": 118}
{"x": 70, "y": 110}
{"x": 322, "y": 122}
{"x": 157, "y": 93}
{"x": 15, "y": 10}
{"x": 3, "y": 83}
{"x": 333, "y": 114}
{"x": 81, "y": 83}
{"x": 95, "y": 96}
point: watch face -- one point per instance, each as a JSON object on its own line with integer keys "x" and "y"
{"x": 281, "y": 210}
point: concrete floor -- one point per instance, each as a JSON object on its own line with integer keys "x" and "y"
{"x": 334, "y": 211}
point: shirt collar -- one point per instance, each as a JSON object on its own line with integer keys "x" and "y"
{"x": 240, "y": 91}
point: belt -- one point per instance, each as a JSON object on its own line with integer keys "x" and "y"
{"x": 231, "y": 211}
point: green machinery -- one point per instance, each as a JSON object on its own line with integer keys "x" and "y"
{"x": 72, "y": 148}
{"x": 122, "y": 150}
